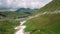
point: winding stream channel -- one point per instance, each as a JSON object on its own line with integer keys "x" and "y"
{"x": 21, "y": 27}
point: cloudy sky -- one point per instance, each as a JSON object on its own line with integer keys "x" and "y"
{"x": 23, "y": 3}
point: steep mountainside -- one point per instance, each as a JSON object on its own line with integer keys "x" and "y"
{"x": 48, "y": 23}
{"x": 52, "y": 6}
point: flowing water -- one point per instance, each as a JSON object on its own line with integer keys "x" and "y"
{"x": 21, "y": 27}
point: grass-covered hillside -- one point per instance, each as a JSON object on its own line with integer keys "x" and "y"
{"x": 7, "y": 26}
{"x": 48, "y": 23}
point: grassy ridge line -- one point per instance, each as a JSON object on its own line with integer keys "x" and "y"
{"x": 13, "y": 14}
{"x": 52, "y": 6}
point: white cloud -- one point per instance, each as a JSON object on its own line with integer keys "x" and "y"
{"x": 32, "y": 3}
{"x": 0, "y": 3}
{"x": 26, "y": 3}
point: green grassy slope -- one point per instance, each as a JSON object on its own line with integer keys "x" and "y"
{"x": 48, "y": 23}
{"x": 7, "y": 26}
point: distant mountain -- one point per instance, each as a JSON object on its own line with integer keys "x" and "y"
{"x": 18, "y": 9}
{"x": 26, "y": 10}
{"x": 7, "y": 9}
